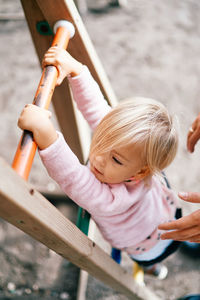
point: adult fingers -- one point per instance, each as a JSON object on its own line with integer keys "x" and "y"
{"x": 193, "y": 134}
{"x": 192, "y": 139}
{"x": 195, "y": 239}
{"x": 182, "y": 235}
{"x": 184, "y": 222}
{"x": 190, "y": 196}
{"x": 188, "y": 221}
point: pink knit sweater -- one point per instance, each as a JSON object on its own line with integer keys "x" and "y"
{"x": 128, "y": 213}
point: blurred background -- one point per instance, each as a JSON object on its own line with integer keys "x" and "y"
{"x": 148, "y": 48}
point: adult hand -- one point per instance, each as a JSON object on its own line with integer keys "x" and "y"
{"x": 186, "y": 228}
{"x": 193, "y": 134}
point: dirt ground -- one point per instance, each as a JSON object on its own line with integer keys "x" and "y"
{"x": 150, "y": 48}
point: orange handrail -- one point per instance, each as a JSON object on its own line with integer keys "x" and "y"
{"x": 27, "y": 147}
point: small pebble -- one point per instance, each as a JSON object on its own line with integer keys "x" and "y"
{"x": 27, "y": 291}
{"x": 35, "y": 287}
{"x": 11, "y": 286}
{"x": 64, "y": 296}
{"x": 19, "y": 292}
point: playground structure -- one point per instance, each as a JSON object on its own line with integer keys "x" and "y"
{"x": 27, "y": 209}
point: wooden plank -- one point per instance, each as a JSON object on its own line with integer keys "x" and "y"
{"x": 81, "y": 6}
{"x": 62, "y": 99}
{"x": 83, "y": 277}
{"x": 28, "y": 210}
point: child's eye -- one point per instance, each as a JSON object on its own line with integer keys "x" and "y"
{"x": 116, "y": 160}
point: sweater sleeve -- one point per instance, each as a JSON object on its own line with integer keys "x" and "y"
{"x": 75, "y": 179}
{"x": 88, "y": 97}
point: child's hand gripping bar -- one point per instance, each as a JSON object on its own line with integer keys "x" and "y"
{"x": 25, "y": 153}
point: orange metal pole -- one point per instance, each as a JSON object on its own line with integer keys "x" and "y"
{"x": 27, "y": 147}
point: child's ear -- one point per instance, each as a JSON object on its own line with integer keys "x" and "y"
{"x": 144, "y": 172}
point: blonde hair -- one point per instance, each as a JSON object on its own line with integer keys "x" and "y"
{"x": 139, "y": 121}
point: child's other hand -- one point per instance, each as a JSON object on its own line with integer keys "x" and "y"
{"x": 193, "y": 134}
{"x": 63, "y": 61}
{"x": 37, "y": 120}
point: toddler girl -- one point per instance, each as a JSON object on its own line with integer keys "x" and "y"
{"x": 131, "y": 144}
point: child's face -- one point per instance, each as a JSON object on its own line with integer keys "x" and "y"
{"x": 118, "y": 165}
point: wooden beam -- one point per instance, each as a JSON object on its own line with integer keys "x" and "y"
{"x": 62, "y": 100}
{"x": 83, "y": 277}
{"x": 25, "y": 208}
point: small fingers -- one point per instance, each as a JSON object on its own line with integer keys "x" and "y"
{"x": 61, "y": 76}
{"x": 37, "y": 109}
{"x": 49, "y": 58}
{"x": 49, "y": 114}
{"x": 53, "y": 51}
{"x": 25, "y": 109}
{"x": 28, "y": 105}
{"x": 49, "y": 61}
